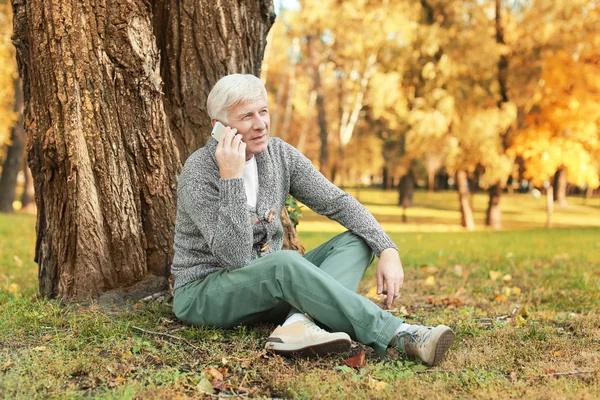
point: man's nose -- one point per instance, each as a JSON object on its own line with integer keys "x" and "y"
{"x": 259, "y": 124}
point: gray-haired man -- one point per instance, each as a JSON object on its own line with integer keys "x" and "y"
{"x": 229, "y": 267}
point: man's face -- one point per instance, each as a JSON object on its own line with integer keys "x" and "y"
{"x": 252, "y": 121}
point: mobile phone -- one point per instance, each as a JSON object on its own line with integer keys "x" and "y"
{"x": 218, "y": 131}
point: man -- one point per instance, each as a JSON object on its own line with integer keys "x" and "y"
{"x": 229, "y": 267}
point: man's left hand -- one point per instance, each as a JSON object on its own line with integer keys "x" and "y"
{"x": 390, "y": 275}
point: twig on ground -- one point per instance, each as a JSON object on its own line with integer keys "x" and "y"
{"x": 167, "y": 335}
{"x": 569, "y": 373}
{"x": 433, "y": 371}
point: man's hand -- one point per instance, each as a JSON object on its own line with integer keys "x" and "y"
{"x": 389, "y": 274}
{"x": 231, "y": 155}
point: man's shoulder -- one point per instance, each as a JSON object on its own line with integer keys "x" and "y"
{"x": 200, "y": 163}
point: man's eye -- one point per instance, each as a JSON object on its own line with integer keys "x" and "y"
{"x": 264, "y": 112}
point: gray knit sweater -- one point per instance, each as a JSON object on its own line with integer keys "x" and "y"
{"x": 216, "y": 229}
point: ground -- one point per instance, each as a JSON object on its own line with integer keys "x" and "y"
{"x": 525, "y": 303}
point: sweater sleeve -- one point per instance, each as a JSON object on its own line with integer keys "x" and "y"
{"x": 220, "y": 213}
{"x": 309, "y": 186}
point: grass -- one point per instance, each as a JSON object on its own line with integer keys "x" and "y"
{"x": 524, "y": 303}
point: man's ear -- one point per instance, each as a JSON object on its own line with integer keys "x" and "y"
{"x": 213, "y": 122}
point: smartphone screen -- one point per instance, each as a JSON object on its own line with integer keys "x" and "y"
{"x": 217, "y": 131}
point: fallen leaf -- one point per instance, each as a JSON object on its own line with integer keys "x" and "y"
{"x": 403, "y": 311}
{"x": 377, "y": 385}
{"x": 516, "y": 290}
{"x": 458, "y": 270}
{"x": 494, "y": 275}
{"x": 430, "y": 281}
{"x": 557, "y": 353}
{"x": 204, "y": 386}
{"x": 460, "y": 292}
{"x": 17, "y": 261}
{"x": 550, "y": 371}
{"x": 356, "y": 361}
{"x": 507, "y": 278}
{"x": 429, "y": 269}
{"x": 216, "y": 374}
{"x": 506, "y": 291}
{"x": 13, "y": 288}
{"x": 39, "y": 348}
{"x": 501, "y": 297}
{"x": 224, "y": 361}
{"x": 6, "y": 365}
{"x": 120, "y": 379}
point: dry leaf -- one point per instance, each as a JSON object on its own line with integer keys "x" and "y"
{"x": 557, "y": 353}
{"x": 377, "y": 385}
{"x": 403, "y": 311}
{"x": 494, "y": 275}
{"x": 430, "y": 281}
{"x": 216, "y": 374}
{"x": 460, "y": 292}
{"x": 506, "y": 291}
{"x": 6, "y": 365}
{"x": 458, "y": 270}
{"x": 430, "y": 269}
{"x": 516, "y": 290}
{"x": 356, "y": 361}
{"x": 550, "y": 371}
{"x": 13, "y": 288}
{"x": 204, "y": 386}
{"x": 39, "y": 348}
{"x": 501, "y": 297}
{"x": 507, "y": 278}
{"x": 18, "y": 261}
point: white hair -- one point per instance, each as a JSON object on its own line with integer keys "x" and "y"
{"x": 231, "y": 90}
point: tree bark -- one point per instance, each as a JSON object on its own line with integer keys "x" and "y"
{"x": 464, "y": 197}
{"x": 102, "y": 156}
{"x": 200, "y": 42}
{"x": 14, "y": 156}
{"x": 549, "y": 206}
{"x": 493, "y": 217}
{"x": 28, "y": 197}
{"x": 320, "y": 102}
{"x": 560, "y": 185}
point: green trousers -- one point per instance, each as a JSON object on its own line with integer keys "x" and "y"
{"x": 321, "y": 284}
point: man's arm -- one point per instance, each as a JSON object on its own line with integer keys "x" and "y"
{"x": 217, "y": 204}
{"x": 309, "y": 186}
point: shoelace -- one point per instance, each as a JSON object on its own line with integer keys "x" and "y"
{"x": 418, "y": 337}
{"x": 310, "y": 324}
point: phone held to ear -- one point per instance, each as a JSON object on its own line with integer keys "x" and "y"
{"x": 217, "y": 131}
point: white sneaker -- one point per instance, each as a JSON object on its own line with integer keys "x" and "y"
{"x": 426, "y": 343}
{"x": 305, "y": 338}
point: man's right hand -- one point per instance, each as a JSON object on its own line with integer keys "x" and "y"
{"x": 231, "y": 154}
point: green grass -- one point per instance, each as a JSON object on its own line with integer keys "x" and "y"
{"x": 524, "y": 303}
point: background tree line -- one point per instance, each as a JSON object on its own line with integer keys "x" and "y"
{"x": 113, "y": 98}
{"x": 483, "y": 91}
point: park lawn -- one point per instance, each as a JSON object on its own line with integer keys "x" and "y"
{"x": 525, "y": 304}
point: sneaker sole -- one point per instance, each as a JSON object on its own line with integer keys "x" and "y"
{"x": 339, "y": 346}
{"x": 444, "y": 342}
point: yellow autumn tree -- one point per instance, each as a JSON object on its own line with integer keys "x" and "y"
{"x": 8, "y": 75}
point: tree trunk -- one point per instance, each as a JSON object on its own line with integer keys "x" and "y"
{"x": 560, "y": 185}
{"x": 464, "y": 197}
{"x": 549, "y": 205}
{"x": 102, "y": 156}
{"x": 493, "y": 217}
{"x": 290, "y": 237}
{"x": 14, "y": 156}
{"x": 199, "y": 42}
{"x": 320, "y": 102}
{"x": 28, "y": 197}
